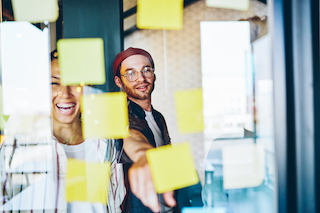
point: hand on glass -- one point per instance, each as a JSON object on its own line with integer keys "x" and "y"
{"x": 142, "y": 187}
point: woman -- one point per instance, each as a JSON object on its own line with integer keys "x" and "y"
{"x": 69, "y": 143}
{"x": 26, "y": 177}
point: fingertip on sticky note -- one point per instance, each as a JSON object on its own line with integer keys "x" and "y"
{"x": 160, "y": 14}
{"x": 172, "y": 167}
{"x": 189, "y": 110}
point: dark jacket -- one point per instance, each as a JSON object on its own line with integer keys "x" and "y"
{"x": 137, "y": 121}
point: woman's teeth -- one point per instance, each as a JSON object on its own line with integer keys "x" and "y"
{"x": 65, "y": 107}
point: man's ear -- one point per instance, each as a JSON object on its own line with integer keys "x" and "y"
{"x": 118, "y": 82}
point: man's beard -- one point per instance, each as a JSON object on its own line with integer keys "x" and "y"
{"x": 132, "y": 94}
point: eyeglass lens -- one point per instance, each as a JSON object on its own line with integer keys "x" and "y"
{"x": 146, "y": 72}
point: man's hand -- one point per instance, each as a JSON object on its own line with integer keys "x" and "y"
{"x": 142, "y": 185}
{"x": 140, "y": 178}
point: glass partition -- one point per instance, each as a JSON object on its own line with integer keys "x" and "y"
{"x": 223, "y": 53}
{"x": 226, "y": 53}
{"x": 28, "y": 160}
{"x": 237, "y": 84}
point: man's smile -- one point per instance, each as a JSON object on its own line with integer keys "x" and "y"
{"x": 142, "y": 87}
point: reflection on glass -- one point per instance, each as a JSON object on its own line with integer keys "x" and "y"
{"x": 225, "y": 69}
{"x": 212, "y": 193}
{"x": 27, "y": 170}
{"x": 238, "y": 118}
{"x": 25, "y": 69}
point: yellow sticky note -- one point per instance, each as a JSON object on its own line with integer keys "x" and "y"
{"x": 2, "y": 138}
{"x": 229, "y": 4}
{"x": 160, "y": 14}
{"x": 105, "y": 115}
{"x": 5, "y": 117}
{"x": 35, "y": 11}
{"x": 189, "y": 110}
{"x": 81, "y": 61}
{"x": 172, "y": 167}
{"x": 87, "y": 181}
{"x": 243, "y": 165}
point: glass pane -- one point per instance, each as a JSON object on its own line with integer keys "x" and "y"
{"x": 28, "y": 163}
{"x": 227, "y": 54}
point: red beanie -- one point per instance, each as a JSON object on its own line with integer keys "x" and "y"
{"x": 129, "y": 52}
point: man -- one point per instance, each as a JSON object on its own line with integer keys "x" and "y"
{"x": 134, "y": 74}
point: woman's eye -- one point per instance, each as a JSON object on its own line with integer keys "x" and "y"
{"x": 54, "y": 83}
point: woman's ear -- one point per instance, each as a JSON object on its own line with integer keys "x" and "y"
{"x": 118, "y": 82}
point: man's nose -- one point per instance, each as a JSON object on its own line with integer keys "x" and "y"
{"x": 140, "y": 76}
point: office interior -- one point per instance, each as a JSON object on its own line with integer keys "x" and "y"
{"x": 258, "y": 71}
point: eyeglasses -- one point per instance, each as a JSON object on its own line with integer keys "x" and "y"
{"x": 132, "y": 75}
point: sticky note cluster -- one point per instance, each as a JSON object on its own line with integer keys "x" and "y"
{"x": 243, "y": 165}
{"x": 105, "y": 115}
{"x": 81, "y": 61}
{"x": 160, "y": 14}
{"x": 87, "y": 181}
{"x": 189, "y": 110}
{"x": 172, "y": 167}
{"x": 229, "y": 4}
{"x": 35, "y": 11}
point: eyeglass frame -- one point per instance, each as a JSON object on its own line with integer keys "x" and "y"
{"x": 141, "y": 71}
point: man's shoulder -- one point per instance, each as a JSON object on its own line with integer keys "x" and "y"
{"x": 135, "y": 110}
{"x": 136, "y": 116}
{"x": 138, "y": 122}
{"x": 157, "y": 115}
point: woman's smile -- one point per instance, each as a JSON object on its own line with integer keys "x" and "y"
{"x": 65, "y": 99}
{"x": 66, "y": 108}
